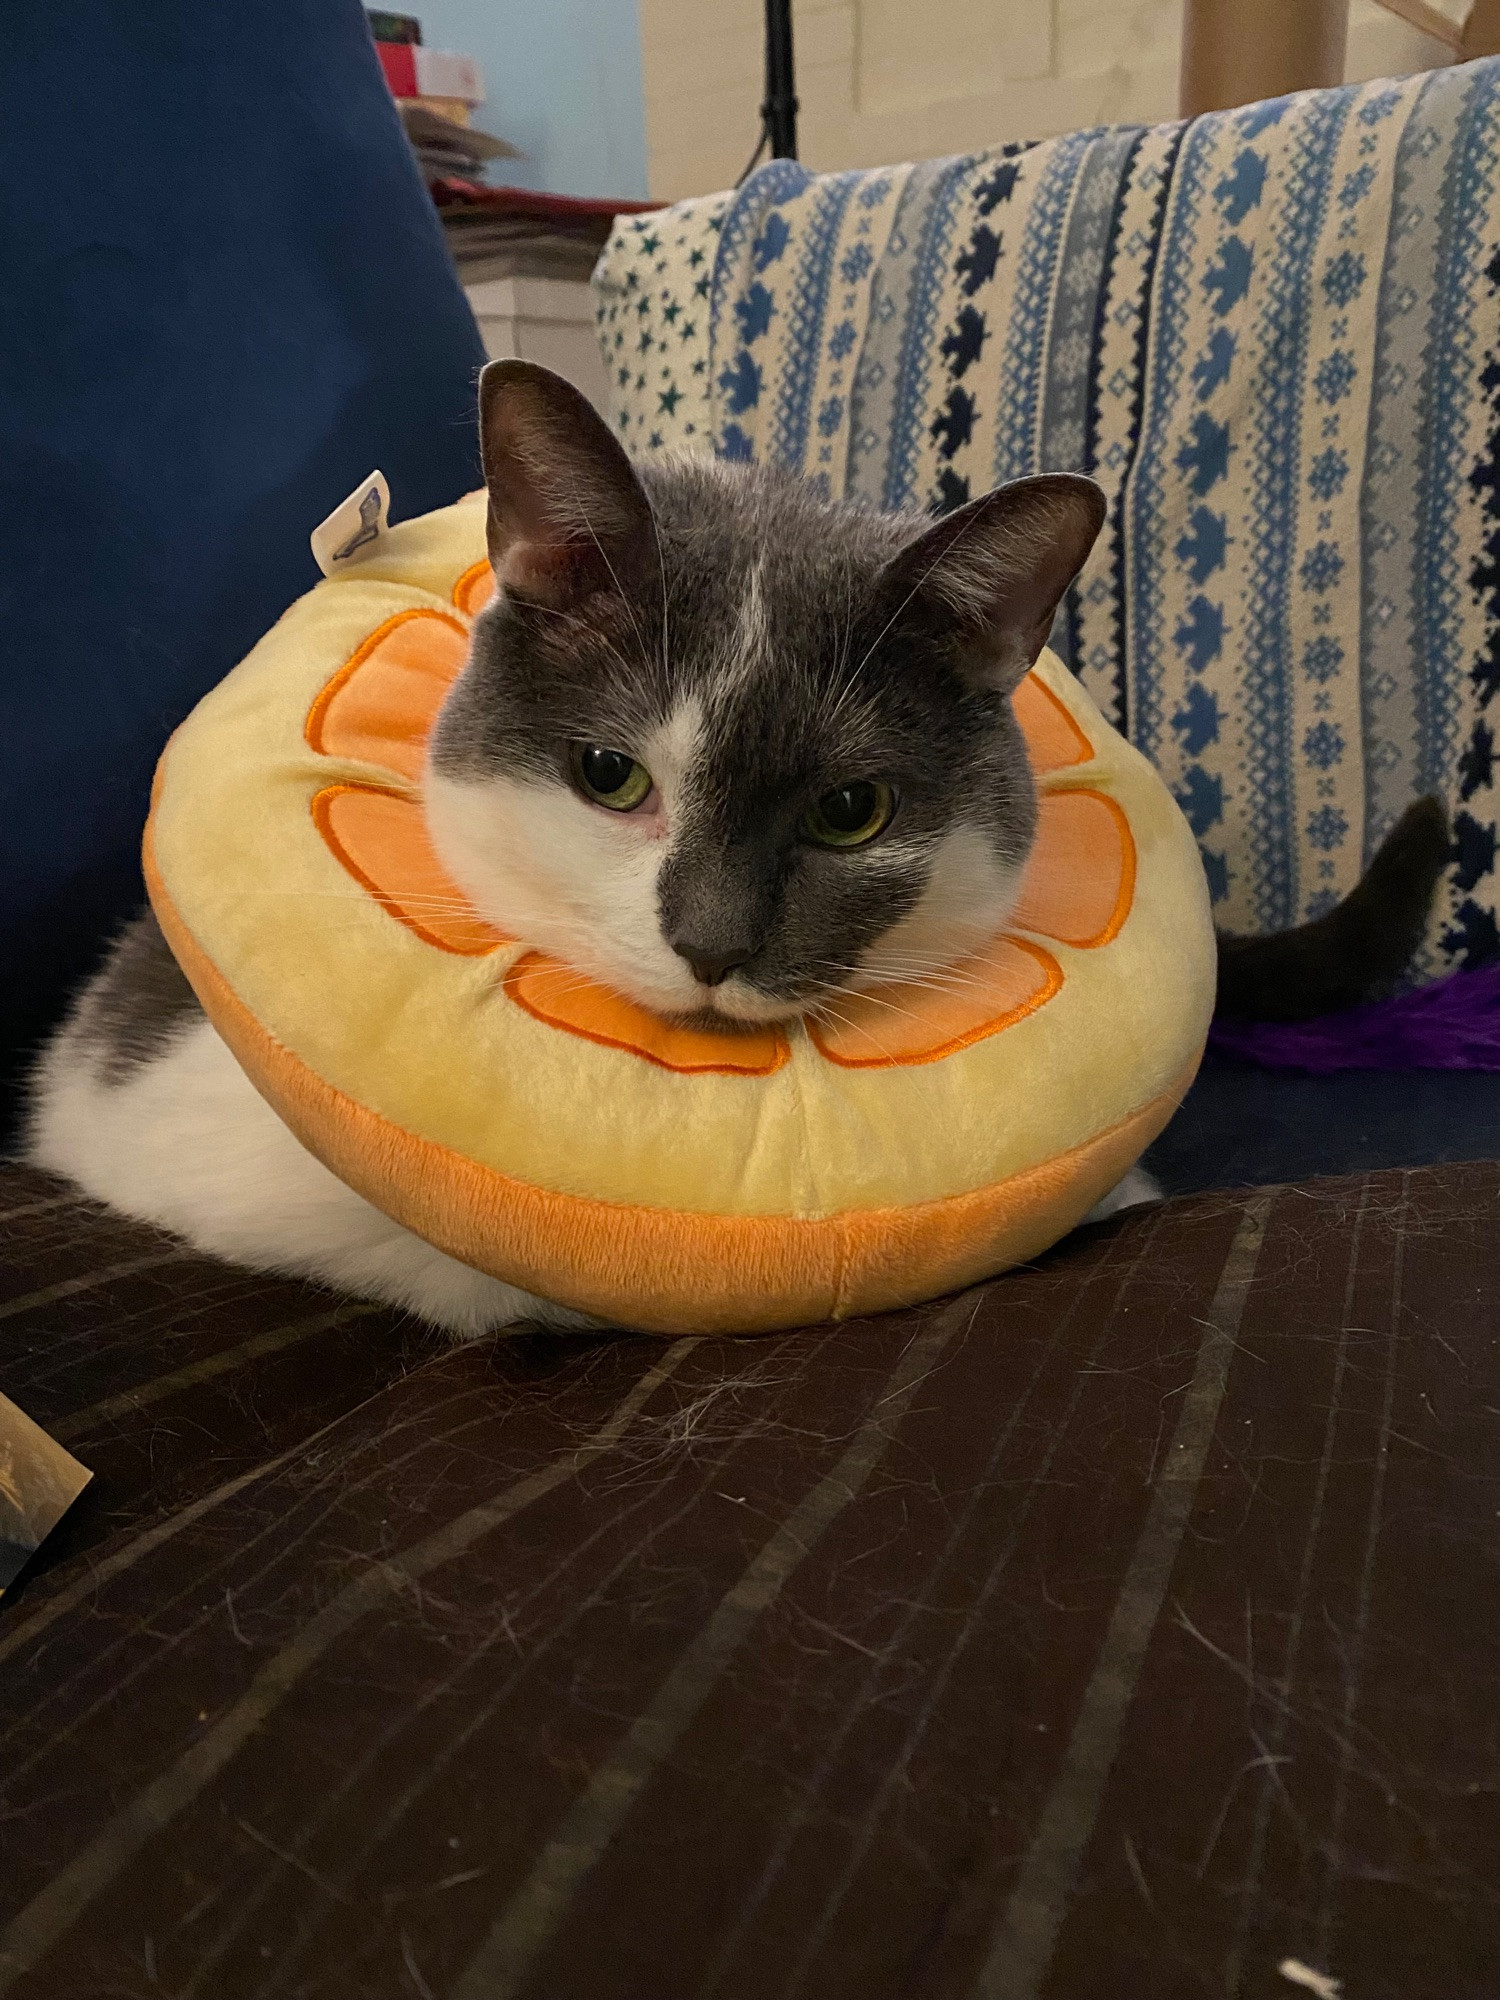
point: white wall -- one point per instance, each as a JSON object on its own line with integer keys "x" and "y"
{"x": 886, "y": 80}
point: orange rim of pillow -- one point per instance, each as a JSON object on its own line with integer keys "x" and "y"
{"x": 662, "y": 1270}
{"x": 379, "y": 707}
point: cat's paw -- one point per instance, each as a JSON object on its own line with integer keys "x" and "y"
{"x": 1136, "y": 1190}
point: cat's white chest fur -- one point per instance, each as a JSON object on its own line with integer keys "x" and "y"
{"x": 188, "y": 1143}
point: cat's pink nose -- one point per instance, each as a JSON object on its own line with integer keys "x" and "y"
{"x": 710, "y": 968}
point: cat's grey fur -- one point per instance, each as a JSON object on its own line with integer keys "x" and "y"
{"x": 754, "y": 647}
{"x": 771, "y": 617}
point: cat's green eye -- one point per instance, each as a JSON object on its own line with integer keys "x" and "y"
{"x": 610, "y": 778}
{"x": 851, "y": 814}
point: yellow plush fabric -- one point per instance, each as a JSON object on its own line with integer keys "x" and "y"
{"x": 564, "y": 1141}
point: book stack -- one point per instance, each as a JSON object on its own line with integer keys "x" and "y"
{"x": 501, "y": 232}
{"x": 495, "y": 233}
{"x": 448, "y": 151}
{"x": 436, "y": 91}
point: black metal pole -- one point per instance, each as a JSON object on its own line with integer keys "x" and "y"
{"x": 780, "y": 108}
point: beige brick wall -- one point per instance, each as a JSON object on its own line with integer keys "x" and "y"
{"x": 886, "y": 80}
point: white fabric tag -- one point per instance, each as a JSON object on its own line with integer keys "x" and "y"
{"x": 355, "y": 526}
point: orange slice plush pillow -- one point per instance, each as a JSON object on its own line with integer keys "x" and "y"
{"x": 561, "y": 1138}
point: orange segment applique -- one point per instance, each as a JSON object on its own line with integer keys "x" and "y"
{"x": 554, "y": 993}
{"x": 1080, "y": 881}
{"x": 382, "y": 840}
{"x": 381, "y": 705}
{"x": 474, "y": 589}
{"x": 896, "y": 1025}
{"x": 1054, "y": 740}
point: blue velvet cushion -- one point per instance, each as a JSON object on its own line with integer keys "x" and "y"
{"x": 226, "y": 297}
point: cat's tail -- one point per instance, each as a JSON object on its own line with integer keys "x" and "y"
{"x": 1359, "y": 948}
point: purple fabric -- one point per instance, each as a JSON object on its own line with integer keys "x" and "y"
{"x": 1454, "y": 1024}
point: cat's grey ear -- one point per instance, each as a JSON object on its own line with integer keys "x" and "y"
{"x": 985, "y": 580}
{"x": 567, "y": 514}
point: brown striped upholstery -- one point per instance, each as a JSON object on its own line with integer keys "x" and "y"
{"x": 1120, "y": 1628}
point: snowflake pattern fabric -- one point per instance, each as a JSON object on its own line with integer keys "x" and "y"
{"x": 1272, "y": 334}
{"x": 652, "y": 288}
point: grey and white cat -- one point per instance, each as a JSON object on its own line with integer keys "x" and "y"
{"x": 726, "y": 748}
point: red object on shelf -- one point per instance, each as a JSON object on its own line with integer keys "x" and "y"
{"x": 453, "y": 193}
{"x": 398, "y": 60}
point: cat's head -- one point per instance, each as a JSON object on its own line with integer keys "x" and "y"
{"x": 729, "y": 749}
